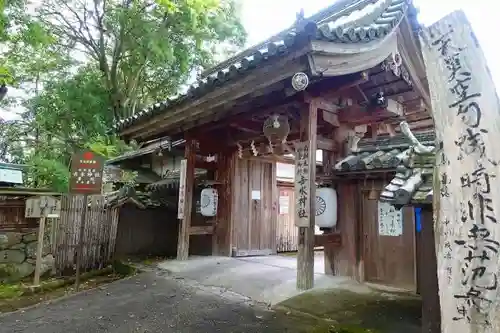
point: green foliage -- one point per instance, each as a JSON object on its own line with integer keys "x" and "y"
{"x": 144, "y": 49}
{"x": 47, "y": 172}
{"x": 85, "y": 64}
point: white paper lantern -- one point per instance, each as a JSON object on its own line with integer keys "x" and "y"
{"x": 326, "y": 207}
{"x": 209, "y": 201}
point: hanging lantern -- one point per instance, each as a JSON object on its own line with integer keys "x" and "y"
{"x": 276, "y": 129}
{"x": 326, "y": 207}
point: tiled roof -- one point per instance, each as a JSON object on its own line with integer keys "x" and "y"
{"x": 148, "y": 148}
{"x": 413, "y": 181}
{"x": 114, "y": 174}
{"x": 172, "y": 179}
{"x": 351, "y": 21}
{"x": 140, "y": 199}
{"x": 383, "y": 153}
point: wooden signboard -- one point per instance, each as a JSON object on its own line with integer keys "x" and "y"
{"x": 42, "y": 206}
{"x": 86, "y": 173}
{"x": 390, "y": 220}
{"x": 466, "y": 113}
{"x": 182, "y": 189}
{"x": 302, "y": 184}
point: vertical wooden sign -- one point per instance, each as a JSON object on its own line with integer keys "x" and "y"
{"x": 467, "y": 196}
{"x": 182, "y": 189}
{"x": 302, "y": 184}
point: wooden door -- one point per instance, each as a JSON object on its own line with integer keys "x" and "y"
{"x": 389, "y": 253}
{"x": 254, "y": 210}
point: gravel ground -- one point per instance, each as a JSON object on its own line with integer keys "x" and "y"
{"x": 149, "y": 302}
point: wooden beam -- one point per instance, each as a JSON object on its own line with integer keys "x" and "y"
{"x": 305, "y": 257}
{"x": 246, "y": 128}
{"x": 410, "y": 53}
{"x": 236, "y": 117}
{"x": 326, "y": 144}
{"x": 322, "y": 103}
{"x": 466, "y": 113}
{"x": 201, "y": 230}
{"x": 331, "y": 240}
{"x": 186, "y": 199}
{"x": 264, "y": 76}
{"x": 200, "y": 164}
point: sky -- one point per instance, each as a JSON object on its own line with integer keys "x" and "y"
{"x": 264, "y": 18}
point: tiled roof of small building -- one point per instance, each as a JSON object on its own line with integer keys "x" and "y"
{"x": 172, "y": 179}
{"x": 413, "y": 182}
{"x": 385, "y": 152}
{"x": 142, "y": 200}
{"x": 351, "y": 21}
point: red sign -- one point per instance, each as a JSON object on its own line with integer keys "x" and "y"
{"x": 86, "y": 173}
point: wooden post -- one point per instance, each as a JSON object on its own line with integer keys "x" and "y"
{"x": 79, "y": 252}
{"x": 429, "y": 289}
{"x": 305, "y": 257}
{"x": 328, "y": 248}
{"x": 467, "y": 191}
{"x": 39, "y": 250}
{"x": 186, "y": 200}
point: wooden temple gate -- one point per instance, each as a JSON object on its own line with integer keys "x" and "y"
{"x": 321, "y": 85}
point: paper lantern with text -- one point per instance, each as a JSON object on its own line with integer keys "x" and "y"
{"x": 326, "y": 207}
{"x": 209, "y": 201}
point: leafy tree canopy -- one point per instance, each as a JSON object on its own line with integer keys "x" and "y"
{"x": 83, "y": 64}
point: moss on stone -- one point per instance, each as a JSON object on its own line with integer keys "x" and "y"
{"x": 123, "y": 269}
{"x": 8, "y": 291}
{"x": 344, "y": 311}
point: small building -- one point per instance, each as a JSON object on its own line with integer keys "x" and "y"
{"x": 11, "y": 174}
{"x": 18, "y": 233}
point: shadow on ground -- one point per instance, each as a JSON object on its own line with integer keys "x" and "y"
{"x": 344, "y": 311}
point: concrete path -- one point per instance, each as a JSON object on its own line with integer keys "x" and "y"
{"x": 149, "y": 303}
{"x": 267, "y": 279}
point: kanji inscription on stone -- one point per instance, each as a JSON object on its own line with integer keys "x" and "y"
{"x": 86, "y": 173}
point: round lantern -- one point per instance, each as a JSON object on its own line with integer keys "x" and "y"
{"x": 208, "y": 202}
{"x": 326, "y": 207}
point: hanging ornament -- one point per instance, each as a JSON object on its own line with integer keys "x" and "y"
{"x": 254, "y": 149}
{"x": 240, "y": 150}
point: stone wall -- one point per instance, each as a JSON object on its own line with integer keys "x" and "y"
{"x": 18, "y": 254}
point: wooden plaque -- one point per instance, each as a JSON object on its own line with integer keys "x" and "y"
{"x": 302, "y": 184}
{"x": 182, "y": 189}
{"x": 86, "y": 173}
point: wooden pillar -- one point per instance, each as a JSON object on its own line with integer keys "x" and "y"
{"x": 306, "y": 219}
{"x": 186, "y": 189}
{"x": 328, "y": 248}
{"x": 431, "y": 317}
{"x": 466, "y": 113}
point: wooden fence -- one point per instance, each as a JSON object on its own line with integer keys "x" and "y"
{"x": 99, "y": 235}
{"x": 287, "y": 234}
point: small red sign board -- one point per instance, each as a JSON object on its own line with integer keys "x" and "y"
{"x": 86, "y": 173}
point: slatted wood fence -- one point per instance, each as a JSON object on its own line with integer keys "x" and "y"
{"x": 99, "y": 235}
{"x": 287, "y": 234}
